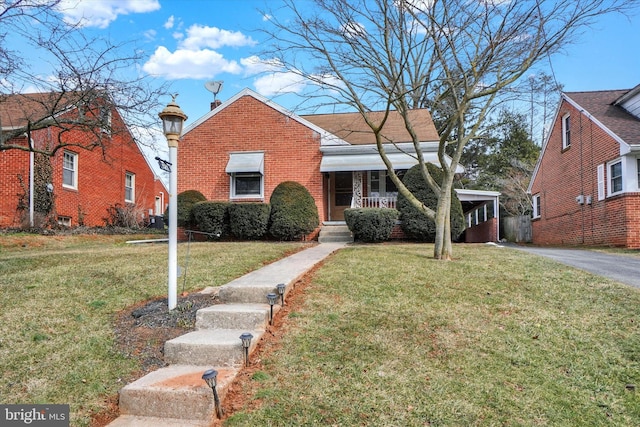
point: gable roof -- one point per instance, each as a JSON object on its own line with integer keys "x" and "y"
{"x": 17, "y": 110}
{"x": 352, "y": 128}
{"x": 602, "y": 106}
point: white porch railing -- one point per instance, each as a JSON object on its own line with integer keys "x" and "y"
{"x": 375, "y": 202}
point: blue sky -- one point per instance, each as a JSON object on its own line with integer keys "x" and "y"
{"x": 190, "y": 42}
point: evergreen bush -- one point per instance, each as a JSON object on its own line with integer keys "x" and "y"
{"x": 294, "y": 213}
{"x": 249, "y": 220}
{"x": 185, "y": 201}
{"x": 212, "y": 217}
{"x": 416, "y": 223}
{"x": 371, "y": 224}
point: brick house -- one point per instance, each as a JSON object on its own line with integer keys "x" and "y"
{"x": 586, "y": 183}
{"x": 84, "y": 184}
{"x": 243, "y": 148}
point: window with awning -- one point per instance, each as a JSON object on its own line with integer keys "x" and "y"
{"x": 247, "y": 175}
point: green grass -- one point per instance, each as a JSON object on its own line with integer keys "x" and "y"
{"x": 58, "y": 301}
{"x": 388, "y": 336}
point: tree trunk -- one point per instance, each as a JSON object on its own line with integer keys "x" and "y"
{"x": 443, "y": 250}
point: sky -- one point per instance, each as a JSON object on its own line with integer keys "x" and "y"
{"x": 191, "y": 42}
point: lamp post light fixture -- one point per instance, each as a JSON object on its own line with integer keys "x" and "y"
{"x": 246, "y": 343}
{"x": 172, "y": 119}
{"x": 271, "y": 298}
{"x": 281, "y": 287}
{"x": 211, "y": 378}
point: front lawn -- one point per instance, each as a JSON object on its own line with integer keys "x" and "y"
{"x": 59, "y": 296}
{"x": 387, "y": 336}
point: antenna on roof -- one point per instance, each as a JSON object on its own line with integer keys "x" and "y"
{"x": 214, "y": 87}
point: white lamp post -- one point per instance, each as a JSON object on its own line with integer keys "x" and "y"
{"x": 172, "y": 119}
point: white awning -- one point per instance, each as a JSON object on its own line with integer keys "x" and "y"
{"x": 246, "y": 162}
{"x": 366, "y": 162}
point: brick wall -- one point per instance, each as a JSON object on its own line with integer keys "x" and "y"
{"x": 291, "y": 151}
{"x": 483, "y": 232}
{"x": 100, "y": 178}
{"x": 565, "y": 174}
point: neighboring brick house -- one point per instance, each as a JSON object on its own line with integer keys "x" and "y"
{"x": 243, "y": 148}
{"x": 586, "y": 183}
{"x": 84, "y": 184}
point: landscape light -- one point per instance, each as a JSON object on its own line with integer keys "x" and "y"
{"x": 281, "y": 287}
{"x": 246, "y": 342}
{"x": 271, "y": 298}
{"x": 211, "y": 377}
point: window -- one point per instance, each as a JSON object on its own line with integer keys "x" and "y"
{"x": 64, "y": 221}
{"x": 638, "y": 171}
{"x": 536, "y": 205}
{"x": 615, "y": 177}
{"x": 129, "y": 187}
{"x": 246, "y": 184}
{"x": 566, "y": 131}
{"x": 70, "y": 170}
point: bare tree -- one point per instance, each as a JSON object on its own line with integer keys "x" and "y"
{"x": 461, "y": 56}
{"x": 90, "y": 76}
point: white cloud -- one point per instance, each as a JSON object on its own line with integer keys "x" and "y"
{"x": 93, "y": 13}
{"x": 199, "y": 36}
{"x": 254, "y": 65}
{"x": 169, "y": 24}
{"x": 189, "y": 64}
{"x": 279, "y": 83}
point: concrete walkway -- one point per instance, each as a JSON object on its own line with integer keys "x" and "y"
{"x": 176, "y": 395}
{"x": 624, "y": 269}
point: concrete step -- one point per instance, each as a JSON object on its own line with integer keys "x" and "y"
{"x": 216, "y": 347}
{"x": 136, "y": 421}
{"x": 335, "y": 234}
{"x": 175, "y": 393}
{"x": 234, "y": 316}
{"x": 247, "y": 292}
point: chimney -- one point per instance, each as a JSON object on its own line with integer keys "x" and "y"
{"x": 215, "y": 104}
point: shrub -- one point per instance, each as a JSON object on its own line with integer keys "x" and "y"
{"x": 371, "y": 224}
{"x": 294, "y": 213}
{"x": 186, "y": 200}
{"x": 127, "y": 216}
{"x": 249, "y": 220}
{"x": 416, "y": 223}
{"x": 212, "y": 217}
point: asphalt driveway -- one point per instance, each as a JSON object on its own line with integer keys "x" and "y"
{"x": 624, "y": 269}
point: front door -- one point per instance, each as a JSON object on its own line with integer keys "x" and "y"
{"x": 341, "y": 194}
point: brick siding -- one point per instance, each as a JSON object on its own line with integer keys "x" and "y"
{"x": 564, "y": 174}
{"x": 100, "y": 178}
{"x": 291, "y": 151}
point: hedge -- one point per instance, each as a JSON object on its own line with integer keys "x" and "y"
{"x": 212, "y": 217}
{"x": 294, "y": 213}
{"x": 371, "y": 224}
{"x": 249, "y": 220}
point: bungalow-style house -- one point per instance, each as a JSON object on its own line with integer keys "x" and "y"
{"x": 243, "y": 148}
{"x": 586, "y": 183}
{"x": 84, "y": 185}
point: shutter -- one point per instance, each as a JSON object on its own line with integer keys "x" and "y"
{"x": 601, "y": 182}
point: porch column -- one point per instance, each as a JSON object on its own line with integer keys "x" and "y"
{"x": 357, "y": 189}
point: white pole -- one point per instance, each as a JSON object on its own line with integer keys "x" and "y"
{"x": 173, "y": 228}
{"x": 31, "y": 186}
